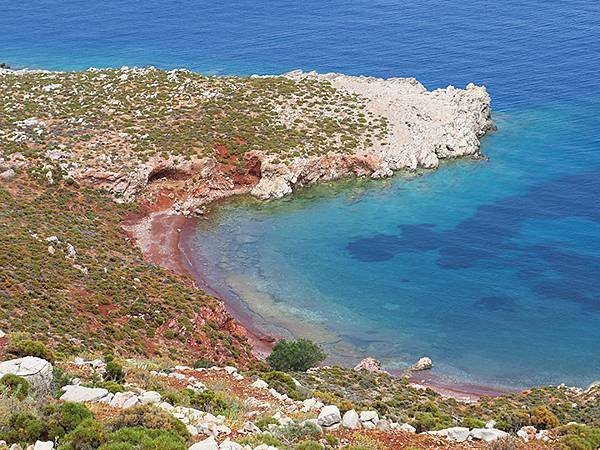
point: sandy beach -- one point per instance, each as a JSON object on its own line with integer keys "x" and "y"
{"x": 164, "y": 240}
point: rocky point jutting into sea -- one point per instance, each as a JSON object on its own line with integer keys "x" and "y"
{"x": 340, "y": 126}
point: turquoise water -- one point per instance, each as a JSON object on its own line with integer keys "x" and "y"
{"x": 491, "y": 268}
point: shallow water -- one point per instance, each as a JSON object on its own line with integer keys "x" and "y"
{"x": 490, "y": 267}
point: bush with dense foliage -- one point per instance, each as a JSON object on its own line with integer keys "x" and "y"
{"x": 297, "y": 355}
{"x": 15, "y": 385}
{"x": 20, "y": 345}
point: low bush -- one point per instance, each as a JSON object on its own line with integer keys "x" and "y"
{"x": 281, "y": 382}
{"x": 114, "y": 371}
{"x": 62, "y": 418}
{"x": 111, "y": 386}
{"x": 22, "y": 427}
{"x": 15, "y": 385}
{"x": 88, "y": 435}
{"x": 143, "y": 438}
{"x": 579, "y": 437}
{"x": 148, "y": 416}
{"x": 295, "y": 432}
{"x": 472, "y": 422}
{"x": 258, "y": 439}
{"x": 298, "y": 355}
{"x": 21, "y": 345}
{"x": 543, "y": 418}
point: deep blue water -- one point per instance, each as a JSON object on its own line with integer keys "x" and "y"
{"x": 491, "y": 268}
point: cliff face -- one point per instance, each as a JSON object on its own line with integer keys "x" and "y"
{"x": 146, "y": 131}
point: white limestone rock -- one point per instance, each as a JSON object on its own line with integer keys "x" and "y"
{"x": 422, "y": 364}
{"x": 206, "y": 444}
{"x": 488, "y": 434}
{"x": 147, "y": 397}
{"x": 37, "y": 371}
{"x": 407, "y": 427}
{"x": 351, "y": 420}
{"x": 329, "y": 416}
{"x": 260, "y": 384}
{"x": 75, "y": 393}
{"x": 43, "y": 445}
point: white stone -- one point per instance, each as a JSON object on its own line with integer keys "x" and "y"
{"x": 2, "y": 334}
{"x": 351, "y": 420}
{"x": 230, "y": 370}
{"x": 206, "y": 444}
{"x": 149, "y": 397}
{"x": 124, "y": 400}
{"x": 260, "y": 384}
{"x": 458, "y": 434}
{"x": 329, "y": 416}
{"x": 82, "y": 394}
{"x": 37, "y": 371}
{"x": 230, "y": 445}
{"x": 422, "y": 364}
{"x": 43, "y": 445}
{"x": 490, "y": 423}
{"x": 487, "y": 434}
{"x": 407, "y": 427}
{"x": 369, "y": 416}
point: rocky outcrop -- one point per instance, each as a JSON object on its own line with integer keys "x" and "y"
{"x": 425, "y": 127}
{"x": 38, "y": 372}
{"x": 370, "y": 365}
{"x": 422, "y": 364}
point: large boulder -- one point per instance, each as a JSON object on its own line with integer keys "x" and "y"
{"x": 37, "y": 371}
{"x": 75, "y": 393}
{"x": 329, "y": 416}
{"x": 455, "y": 434}
{"x": 351, "y": 420}
{"x": 488, "y": 434}
{"x": 370, "y": 365}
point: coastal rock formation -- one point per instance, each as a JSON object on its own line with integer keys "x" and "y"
{"x": 197, "y": 139}
{"x": 422, "y": 364}
{"x": 37, "y": 371}
{"x": 370, "y": 365}
{"x": 424, "y": 128}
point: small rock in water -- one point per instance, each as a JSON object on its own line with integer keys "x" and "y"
{"x": 422, "y": 364}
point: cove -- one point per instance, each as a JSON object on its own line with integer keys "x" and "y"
{"x": 488, "y": 267}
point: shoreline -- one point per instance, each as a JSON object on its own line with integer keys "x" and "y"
{"x": 162, "y": 239}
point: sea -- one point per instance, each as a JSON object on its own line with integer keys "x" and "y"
{"x": 491, "y": 268}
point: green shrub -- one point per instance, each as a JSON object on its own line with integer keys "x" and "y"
{"x": 203, "y": 364}
{"x": 298, "y": 355}
{"x": 21, "y": 345}
{"x": 281, "y": 382}
{"x": 114, "y": 371}
{"x": 15, "y": 385}
{"x": 426, "y": 421}
{"x": 579, "y": 437}
{"x": 295, "y": 432}
{"x": 264, "y": 423}
{"x": 151, "y": 417}
{"x": 62, "y": 418}
{"x": 472, "y": 422}
{"x": 144, "y": 438}
{"x": 258, "y": 439}
{"x": 111, "y": 386}
{"x": 22, "y": 427}
{"x": 88, "y": 435}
